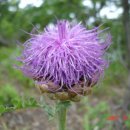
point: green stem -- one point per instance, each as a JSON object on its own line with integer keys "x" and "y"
{"x": 62, "y": 115}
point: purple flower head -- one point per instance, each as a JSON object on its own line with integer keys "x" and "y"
{"x": 66, "y": 54}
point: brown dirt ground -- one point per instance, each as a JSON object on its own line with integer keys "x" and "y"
{"x": 36, "y": 119}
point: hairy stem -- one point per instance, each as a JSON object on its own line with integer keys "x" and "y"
{"x": 62, "y": 113}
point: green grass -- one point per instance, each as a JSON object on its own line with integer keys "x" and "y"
{"x": 8, "y": 61}
{"x": 96, "y": 116}
{"x": 7, "y": 93}
{"x": 10, "y": 81}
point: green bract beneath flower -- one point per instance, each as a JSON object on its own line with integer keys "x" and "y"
{"x": 64, "y": 95}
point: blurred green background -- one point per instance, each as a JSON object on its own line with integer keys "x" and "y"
{"x": 110, "y": 97}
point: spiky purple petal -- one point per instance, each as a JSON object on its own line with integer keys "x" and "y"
{"x": 65, "y": 54}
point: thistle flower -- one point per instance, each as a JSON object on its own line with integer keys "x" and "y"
{"x": 66, "y": 57}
